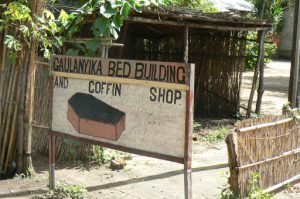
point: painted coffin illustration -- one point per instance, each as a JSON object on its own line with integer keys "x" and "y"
{"x": 91, "y": 116}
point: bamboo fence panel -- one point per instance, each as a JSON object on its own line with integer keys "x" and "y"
{"x": 10, "y": 95}
{"x": 269, "y": 146}
{"x": 65, "y": 149}
{"x": 9, "y": 102}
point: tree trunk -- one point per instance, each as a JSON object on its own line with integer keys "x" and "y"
{"x": 36, "y": 8}
{"x": 255, "y": 76}
{"x": 20, "y": 124}
{"x": 261, "y": 90}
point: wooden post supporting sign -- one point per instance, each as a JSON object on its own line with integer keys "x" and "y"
{"x": 51, "y": 142}
{"x": 189, "y": 141}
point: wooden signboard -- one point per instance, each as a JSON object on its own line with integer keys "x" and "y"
{"x": 143, "y": 107}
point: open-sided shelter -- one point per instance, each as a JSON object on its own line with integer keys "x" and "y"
{"x": 215, "y": 42}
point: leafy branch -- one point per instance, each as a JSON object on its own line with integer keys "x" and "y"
{"x": 16, "y": 16}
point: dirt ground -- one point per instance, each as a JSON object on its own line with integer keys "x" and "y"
{"x": 147, "y": 178}
{"x": 143, "y": 178}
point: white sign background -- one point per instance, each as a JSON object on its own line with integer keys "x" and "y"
{"x": 150, "y": 126}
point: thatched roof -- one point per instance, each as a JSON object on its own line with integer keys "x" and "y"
{"x": 180, "y": 16}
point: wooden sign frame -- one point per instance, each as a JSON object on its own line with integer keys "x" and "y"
{"x": 186, "y": 161}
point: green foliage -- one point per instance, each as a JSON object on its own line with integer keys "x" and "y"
{"x": 255, "y": 192}
{"x": 108, "y": 23}
{"x": 72, "y": 52}
{"x": 226, "y": 193}
{"x": 239, "y": 116}
{"x": 17, "y": 15}
{"x": 294, "y": 113}
{"x": 92, "y": 45}
{"x": 73, "y": 148}
{"x": 203, "y": 5}
{"x": 101, "y": 156}
{"x": 252, "y": 51}
{"x": 98, "y": 157}
{"x": 110, "y": 18}
{"x": 217, "y": 136}
{"x": 272, "y": 10}
{"x": 197, "y": 126}
{"x": 269, "y": 9}
{"x": 29, "y": 173}
{"x": 12, "y": 43}
{"x": 65, "y": 190}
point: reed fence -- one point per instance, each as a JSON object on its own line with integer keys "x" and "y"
{"x": 10, "y": 107}
{"x": 269, "y": 146}
{"x": 65, "y": 149}
{"x": 10, "y": 84}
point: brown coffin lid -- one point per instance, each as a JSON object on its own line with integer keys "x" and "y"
{"x": 89, "y": 107}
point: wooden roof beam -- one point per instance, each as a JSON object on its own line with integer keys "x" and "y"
{"x": 193, "y": 25}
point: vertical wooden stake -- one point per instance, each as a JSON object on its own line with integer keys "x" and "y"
{"x": 232, "y": 161}
{"x": 51, "y": 142}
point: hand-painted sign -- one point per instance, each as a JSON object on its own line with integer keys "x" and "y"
{"x": 137, "y": 106}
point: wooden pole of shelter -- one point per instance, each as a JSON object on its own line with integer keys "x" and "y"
{"x": 294, "y": 72}
{"x": 255, "y": 76}
{"x": 261, "y": 89}
{"x": 186, "y": 45}
{"x": 123, "y": 39}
